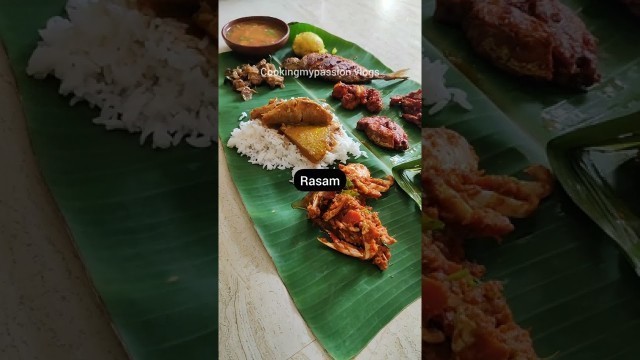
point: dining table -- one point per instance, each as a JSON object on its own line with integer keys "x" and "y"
{"x": 257, "y": 317}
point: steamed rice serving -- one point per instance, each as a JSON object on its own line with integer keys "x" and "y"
{"x": 145, "y": 74}
{"x": 272, "y": 150}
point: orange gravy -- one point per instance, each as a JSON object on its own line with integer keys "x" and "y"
{"x": 254, "y": 33}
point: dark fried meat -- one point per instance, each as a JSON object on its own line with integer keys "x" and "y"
{"x": 384, "y": 132}
{"x": 351, "y": 96}
{"x": 268, "y": 72}
{"x": 245, "y": 77}
{"x": 540, "y": 39}
{"x": 374, "y": 101}
{"x": 411, "y": 105}
{"x": 253, "y": 74}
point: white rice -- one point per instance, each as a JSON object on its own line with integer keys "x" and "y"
{"x": 436, "y": 95}
{"x": 144, "y": 74}
{"x": 272, "y": 150}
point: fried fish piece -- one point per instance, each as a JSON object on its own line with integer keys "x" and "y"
{"x": 384, "y": 132}
{"x": 336, "y": 68}
{"x": 539, "y": 39}
{"x": 261, "y": 110}
{"x": 298, "y": 111}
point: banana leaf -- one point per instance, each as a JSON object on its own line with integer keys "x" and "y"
{"x": 344, "y": 301}
{"x": 144, "y": 221}
{"x": 599, "y": 168}
{"x": 407, "y": 176}
{"x": 564, "y": 278}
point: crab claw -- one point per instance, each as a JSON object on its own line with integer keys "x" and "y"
{"x": 342, "y": 246}
{"x": 382, "y": 258}
{"x": 370, "y": 245}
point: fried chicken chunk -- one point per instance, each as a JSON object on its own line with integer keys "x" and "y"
{"x": 245, "y": 77}
{"x": 351, "y": 96}
{"x": 411, "y": 105}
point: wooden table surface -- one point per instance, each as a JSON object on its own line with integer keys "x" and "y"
{"x": 257, "y": 318}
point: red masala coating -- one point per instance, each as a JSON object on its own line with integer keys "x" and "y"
{"x": 384, "y": 132}
{"x": 351, "y": 96}
{"x": 411, "y": 105}
{"x": 540, "y": 39}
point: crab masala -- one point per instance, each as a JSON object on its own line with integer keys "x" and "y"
{"x": 353, "y": 228}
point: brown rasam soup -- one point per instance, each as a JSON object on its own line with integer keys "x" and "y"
{"x": 254, "y": 33}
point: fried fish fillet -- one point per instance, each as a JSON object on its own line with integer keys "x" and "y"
{"x": 298, "y": 111}
{"x": 384, "y": 132}
{"x": 540, "y": 39}
{"x": 336, "y": 68}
